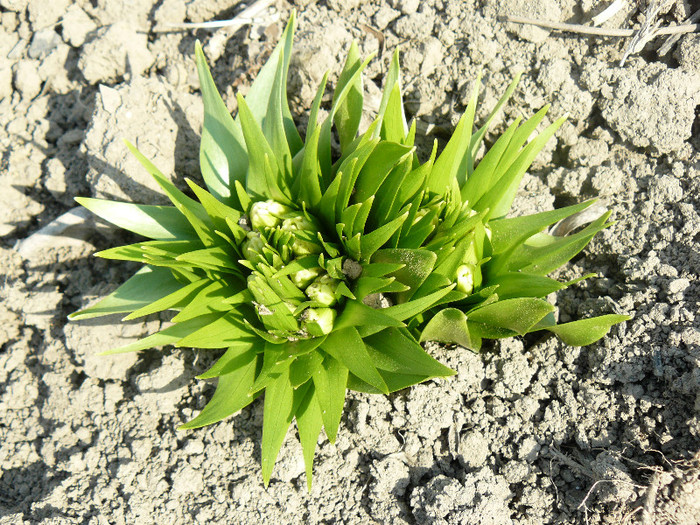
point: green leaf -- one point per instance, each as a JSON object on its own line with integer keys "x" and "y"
{"x": 191, "y": 209}
{"x": 277, "y": 416}
{"x": 216, "y": 256}
{"x": 452, "y": 162}
{"x": 154, "y": 222}
{"x": 264, "y": 179}
{"x": 500, "y": 197}
{"x": 145, "y": 286}
{"x": 341, "y": 92}
{"x": 303, "y": 368}
{"x": 374, "y": 240}
{"x": 235, "y": 356}
{"x": 349, "y": 113}
{"x": 396, "y": 114}
{"x": 356, "y": 314}
{"x": 486, "y": 175}
{"x": 210, "y": 299}
{"x": 544, "y": 253}
{"x": 478, "y": 137}
{"x": 509, "y": 233}
{"x": 222, "y": 155}
{"x": 417, "y": 266}
{"x": 394, "y": 127}
{"x": 393, "y": 350}
{"x": 346, "y": 346}
{"x": 307, "y": 185}
{"x": 231, "y": 393}
{"x": 518, "y": 315}
{"x": 330, "y": 381}
{"x": 222, "y": 332}
{"x": 587, "y": 331}
{"x": 384, "y": 157}
{"x": 518, "y": 284}
{"x": 168, "y": 336}
{"x": 181, "y": 296}
{"x": 309, "y": 423}
{"x": 450, "y": 326}
{"x": 218, "y": 212}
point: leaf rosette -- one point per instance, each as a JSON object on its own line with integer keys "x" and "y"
{"x": 322, "y": 269}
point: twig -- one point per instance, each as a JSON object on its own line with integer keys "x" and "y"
{"x": 646, "y": 32}
{"x": 607, "y": 13}
{"x": 245, "y": 17}
{"x": 671, "y": 40}
{"x": 599, "y": 31}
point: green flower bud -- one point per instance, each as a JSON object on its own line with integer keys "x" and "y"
{"x": 322, "y": 290}
{"x": 465, "y": 278}
{"x": 298, "y": 222}
{"x": 318, "y": 321}
{"x": 252, "y": 246}
{"x": 303, "y": 278}
{"x": 267, "y": 214}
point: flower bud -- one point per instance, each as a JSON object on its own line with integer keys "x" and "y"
{"x": 252, "y": 246}
{"x": 298, "y": 222}
{"x": 267, "y": 214}
{"x": 303, "y": 278}
{"x": 318, "y": 321}
{"x": 465, "y": 278}
{"x": 322, "y": 290}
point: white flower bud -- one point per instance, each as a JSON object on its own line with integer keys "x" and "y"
{"x": 267, "y": 214}
{"x": 318, "y": 321}
{"x": 303, "y": 278}
{"x": 322, "y": 290}
{"x": 465, "y": 278}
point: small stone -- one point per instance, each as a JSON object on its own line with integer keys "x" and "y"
{"x": 384, "y": 16}
{"x": 5, "y": 82}
{"x": 678, "y": 285}
{"x": 43, "y": 43}
{"x": 27, "y": 79}
{"x": 18, "y": 6}
{"x": 115, "y": 50}
{"x": 473, "y": 450}
{"x": 76, "y": 26}
{"x": 43, "y": 14}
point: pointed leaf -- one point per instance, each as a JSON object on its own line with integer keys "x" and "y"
{"x": 330, "y": 381}
{"x": 346, "y": 346}
{"x": 587, "y": 331}
{"x": 154, "y": 222}
{"x": 231, "y": 393}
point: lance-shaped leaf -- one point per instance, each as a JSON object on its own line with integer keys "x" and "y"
{"x": 391, "y": 110}
{"x": 221, "y": 332}
{"x": 176, "y": 299}
{"x": 499, "y": 198}
{"x": 416, "y": 267}
{"x": 145, "y": 286}
{"x": 544, "y": 253}
{"x": 222, "y": 155}
{"x": 265, "y": 179}
{"x": 395, "y": 350}
{"x": 586, "y": 331}
{"x": 232, "y": 392}
{"x": 330, "y": 381}
{"x": 347, "y": 116}
{"x": 280, "y": 401}
{"x": 518, "y": 315}
{"x": 450, "y": 326}
{"x": 154, "y": 222}
{"x": 191, "y": 209}
{"x": 452, "y": 162}
{"x": 168, "y": 336}
{"x": 478, "y": 137}
{"x": 309, "y": 423}
{"x": 348, "y": 348}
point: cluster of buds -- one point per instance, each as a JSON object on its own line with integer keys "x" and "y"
{"x": 291, "y": 304}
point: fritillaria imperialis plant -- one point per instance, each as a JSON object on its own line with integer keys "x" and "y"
{"x": 320, "y": 269}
